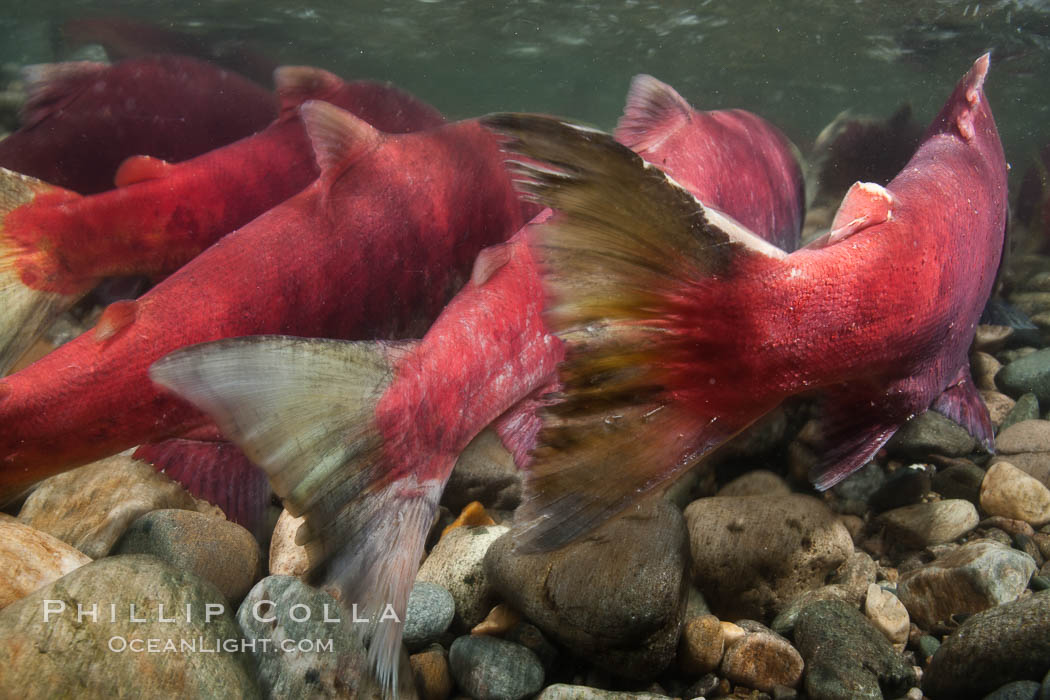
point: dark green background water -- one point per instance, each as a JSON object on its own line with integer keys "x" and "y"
{"x": 797, "y": 63}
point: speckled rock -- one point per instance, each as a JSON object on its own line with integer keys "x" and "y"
{"x": 1007, "y": 643}
{"x": 931, "y": 433}
{"x": 90, "y": 507}
{"x": 31, "y": 559}
{"x": 560, "y": 691}
{"x": 456, "y": 563}
{"x": 1026, "y": 436}
{"x": 487, "y": 668}
{"x": 888, "y": 614}
{"x": 999, "y": 406}
{"x": 432, "y": 674}
{"x": 615, "y": 598}
{"x": 976, "y": 576}
{"x": 846, "y": 657}
{"x": 429, "y": 613}
{"x": 46, "y": 652}
{"x": 287, "y": 612}
{"x": 485, "y": 472}
{"x": 762, "y": 660}
{"x": 286, "y": 557}
{"x": 1026, "y": 408}
{"x": 1029, "y": 374}
{"x": 746, "y": 568}
{"x": 755, "y": 483}
{"x": 217, "y": 550}
{"x": 1011, "y": 493}
{"x": 925, "y": 524}
{"x": 701, "y": 646}
{"x": 856, "y": 573}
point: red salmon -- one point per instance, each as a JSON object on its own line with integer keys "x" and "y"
{"x": 405, "y": 412}
{"x": 56, "y": 245}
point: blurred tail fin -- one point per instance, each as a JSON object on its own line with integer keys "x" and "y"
{"x": 304, "y": 411}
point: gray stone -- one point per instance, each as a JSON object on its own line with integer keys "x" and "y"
{"x": 931, "y": 433}
{"x": 976, "y": 576}
{"x": 904, "y": 487}
{"x": 429, "y": 613}
{"x": 1029, "y": 374}
{"x": 456, "y": 563}
{"x": 90, "y": 507}
{"x": 784, "y": 622}
{"x": 856, "y": 573}
{"x": 214, "y": 549}
{"x": 615, "y": 597}
{"x": 1026, "y": 408}
{"x": 487, "y": 668}
{"x": 760, "y": 482}
{"x": 960, "y": 480}
{"x": 485, "y": 472}
{"x": 1007, "y": 643}
{"x": 861, "y": 484}
{"x": 560, "y": 691}
{"x": 846, "y": 657}
{"x": 60, "y": 655}
{"x": 1017, "y": 690}
{"x": 280, "y": 612}
{"x": 926, "y": 524}
{"x": 753, "y": 554}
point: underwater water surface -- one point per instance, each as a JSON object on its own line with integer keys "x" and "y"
{"x": 796, "y": 63}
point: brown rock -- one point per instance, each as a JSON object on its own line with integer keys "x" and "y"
{"x": 763, "y": 660}
{"x": 90, "y": 507}
{"x": 984, "y": 368}
{"x": 999, "y": 406}
{"x": 888, "y": 614}
{"x": 753, "y": 554}
{"x": 755, "y": 483}
{"x": 1009, "y": 492}
{"x": 1026, "y": 436}
{"x": 431, "y": 671}
{"x": 925, "y": 524}
{"x": 31, "y": 559}
{"x": 991, "y": 338}
{"x": 702, "y": 645}
{"x": 286, "y": 557}
{"x": 498, "y": 622}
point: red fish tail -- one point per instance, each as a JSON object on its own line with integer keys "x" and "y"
{"x": 622, "y": 259}
{"x": 304, "y": 411}
{"x": 29, "y": 298}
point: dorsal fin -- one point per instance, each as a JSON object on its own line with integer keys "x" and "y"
{"x": 117, "y": 316}
{"x": 337, "y": 136}
{"x": 49, "y": 86}
{"x": 654, "y": 111}
{"x": 295, "y": 85}
{"x": 866, "y": 204}
{"x": 139, "y": 169}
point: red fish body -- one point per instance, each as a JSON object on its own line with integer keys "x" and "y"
{"x": 369, "y": 481}
{"x": 677, "y": 341}
{"x": 83, "y": 119}
{"x": 373, "y": 248}
{"x": 59, "y": 243}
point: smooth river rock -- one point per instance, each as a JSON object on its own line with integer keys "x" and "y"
{"x": 31, "y": 559}
{"x": 58, "y": 655}
{"x": 456, "y": 563}
{"x": 753, "y": 554}
{"x": 615, "y": 597}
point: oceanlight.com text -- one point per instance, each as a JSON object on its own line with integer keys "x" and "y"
{"x": 203, "y": 645}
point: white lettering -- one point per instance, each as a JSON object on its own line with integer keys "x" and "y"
{"x": 92, "y": 613}
{"x": 123, "y": 644}
{"x": 213, "y": 610}
{"x": 50, "y": 609}
{"x": 258, "y": 606}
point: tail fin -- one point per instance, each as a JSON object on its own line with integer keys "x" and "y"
{"x": 621, "y": 258}
{"x": 304, "y": 411}
{"x": 25, "y": 312}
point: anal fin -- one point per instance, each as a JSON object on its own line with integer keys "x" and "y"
{"x": 961, "y": 403}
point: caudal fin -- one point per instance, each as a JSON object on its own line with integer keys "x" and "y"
{"x": 304, "y": 411}
{"x": 620, "y": 258}
{"x": 25, "y": 311}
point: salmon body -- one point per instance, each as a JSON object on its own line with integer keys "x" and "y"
{"x": 682, "y": 330}
{"x": 367, "y": 461}
{"x": 83, "y": 119}
{"x": 373, "y": 248}
{"x": 58, "y": 245}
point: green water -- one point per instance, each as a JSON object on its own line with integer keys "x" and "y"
{"x": 797, "y": 63}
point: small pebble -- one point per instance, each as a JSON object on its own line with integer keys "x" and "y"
{"x": 1011, "y": 493}
{"x": 888, "y": 614}
{"x": 762, "y": 660}
{"x": 472, "y": 515}
{"x": 429, "y": 613}
{"x": 487, "y": 668}
{"x": 286, "y": 557}
{"x": 702, "y": 645}
{"x": 926, "y": 524}
{"x": 431, "y": 672}
{"x": 499, "y": 620}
